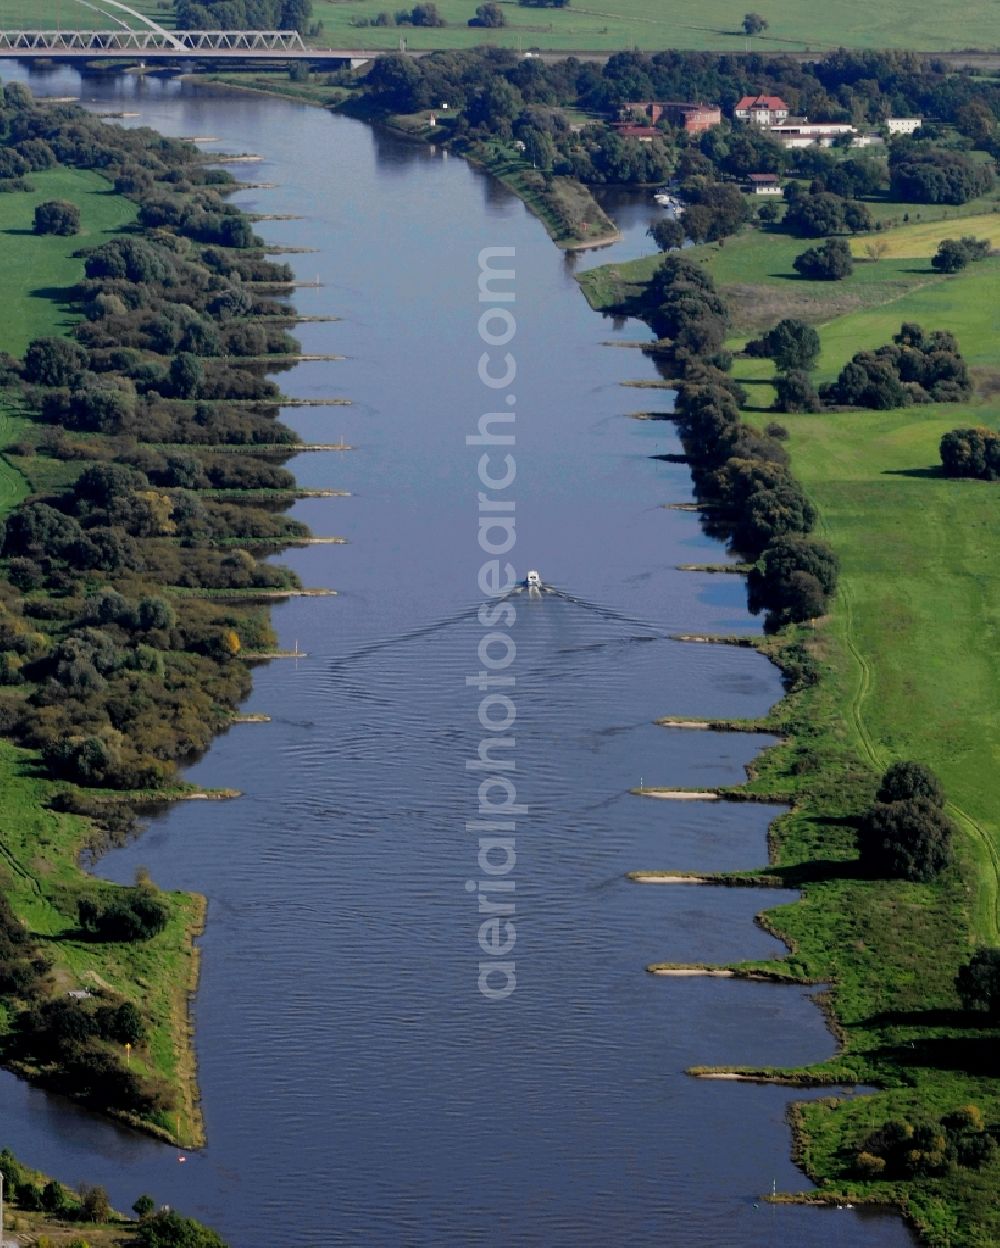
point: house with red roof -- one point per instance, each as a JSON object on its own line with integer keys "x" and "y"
{"x": 694, "y": 118}
{"x": 761, "y": 110}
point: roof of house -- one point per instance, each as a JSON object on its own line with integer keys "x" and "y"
{"x": 773, "y": 102}
{"x": 763, "y": 177}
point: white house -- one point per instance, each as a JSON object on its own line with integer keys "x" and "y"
{"x": 761, "y": 110}
{"x": 902, "y": 125}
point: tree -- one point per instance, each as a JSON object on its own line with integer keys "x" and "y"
{"x": 489, "y": 15}
{"x": 815, "y": 215}
{"x": 950, "y": 256}
{"x": 95, "y": 1205}
{"x": 795, "y": 392}
{"x": 830, "y": 262}
{"x": 539, "y": 148}
{"x": 978, "y": 982}
{"x": 971, "y": 453}
{"x": 143, "y": 1206}
{"x": 185, "y": 375}
{"x": 667, "y": 234}
{"x": 754, "y": 24}
{"x": 713, "y": 210}
{"x": 53, "y": 362}
{"x": 426, "y": 15}
{"x": 57, "y": 216}
{"x": 792, "y": 344}
{"x": 167, "y": 1229}
{"x": 907, "y": 781}
{"x": 907, "y": 840}
{"x": 794, "y": 578}
{"x": 932, "y": 175}
{"x": 53, "y": 1197}
{"x": 953, "y": 254}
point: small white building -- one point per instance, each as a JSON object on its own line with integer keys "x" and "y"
{"x": 764, "y": 184}
{"x": 867, "y": 140}
{"x": 903, "y": 125}
{"x": 810, "y": 133}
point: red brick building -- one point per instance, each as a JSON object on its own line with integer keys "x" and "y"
{"x": 694, "y": 118}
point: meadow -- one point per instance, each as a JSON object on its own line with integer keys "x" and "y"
{"x": 648, "y": 25}
{"x": 586, "y": 25}
{"x": 754, "y": 269}
{"x": 36, "y": 268}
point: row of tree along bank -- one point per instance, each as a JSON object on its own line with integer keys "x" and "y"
{"x": 126, "y": 590}
{"x": 49, "y": 1213}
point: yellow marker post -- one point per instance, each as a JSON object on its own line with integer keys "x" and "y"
{"x": 128, "y": 1055}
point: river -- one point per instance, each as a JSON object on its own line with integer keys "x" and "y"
{"x": 357, "y": 1087}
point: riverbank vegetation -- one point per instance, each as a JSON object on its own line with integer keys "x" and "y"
{"x": 47, "y": 1214}
{"x": 896, "y": 667}
{"x": 554, "y": 130}
{"x": 128, "y": 593}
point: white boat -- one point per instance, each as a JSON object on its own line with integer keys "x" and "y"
{"x": 533, "y": 580}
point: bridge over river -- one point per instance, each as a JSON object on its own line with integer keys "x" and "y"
{"x": 158, "y": 45}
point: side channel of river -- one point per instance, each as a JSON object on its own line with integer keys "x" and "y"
{"x": 357, "y": 1087}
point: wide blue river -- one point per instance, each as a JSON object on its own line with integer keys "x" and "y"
{"x": 357, "y": 1086}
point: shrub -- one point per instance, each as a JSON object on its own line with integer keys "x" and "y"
{"x": 830, "y": 262}
{"x": 971, "y": 453}
{"x": 136, "y": 915}
{"x": 978, "y": 982}
{"x": 167, "y": 1229}
{"x": 907, "y": 781}
{"x": 57, "y": 216}
{"x": 792, "y": 344}
{"x": 795, "y": 392}
{"x": 914, "y": 367}
{"x": 907, "y": 840}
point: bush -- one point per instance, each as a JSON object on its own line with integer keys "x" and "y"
{"x": 95, "y": 1205}
{"x": 137, "y": 915}
{"x": 923, "y": 175}
{"x": 667, "y": 234}
{"x": 914, "y": 367}
{"x": 489, "y": 15}
{"x": 907, "y": 781}
{"x": 57, "y": 216}
{"x": 971, "y": 453}
{"x": 978, "y": 982}
{"x": 167, "y": 1229}
{"x": 793, "y": 579}
{"x": 906, "y": 840}
{"x": 830, "y": 262}
{"x": 795, "y": 392}
{"x": 791, "y": 344}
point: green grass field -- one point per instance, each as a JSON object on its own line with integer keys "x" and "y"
{"x": 37, "y": 268}
{"x": 73, "y": 15}
{"x": 609, "y": 26}
{"x": 650, "y": 25}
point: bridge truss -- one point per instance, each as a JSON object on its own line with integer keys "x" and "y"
{"x": 180, "y": 42}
